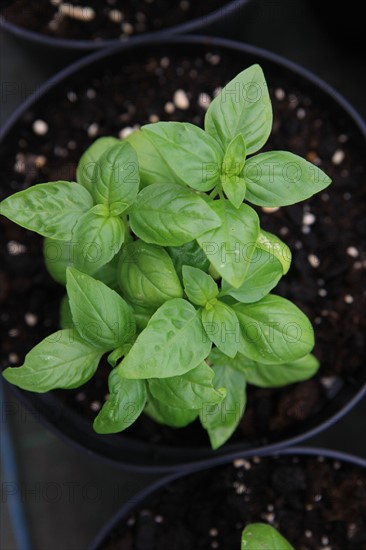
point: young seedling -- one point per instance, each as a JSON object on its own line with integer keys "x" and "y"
{"x": 168, "y": 271}
{"x": 261, "y": 536}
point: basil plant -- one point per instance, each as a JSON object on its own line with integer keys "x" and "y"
{"x": 168, "y": 271}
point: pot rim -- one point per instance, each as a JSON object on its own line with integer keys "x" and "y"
{"x": 193, "y": 25}
{"x": 32, "y": 400}
{"x": 140, "y": 496}
{"x": 200, "y": 39}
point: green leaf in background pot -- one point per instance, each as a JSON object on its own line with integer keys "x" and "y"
{"x": 62, "y": 360}
{"x": 50, "y": 209}
{"x": 274, "y": 330}
{"x": 261, "y": 536}
{"x": 230, "y": 247}
{"x": 280, "y": 178}
{"x": 242, "y": 107}
{"x": 199, "y": 286}
{"x": 125, "y": 403}
{"x": 173, "y": 343}
{"x": 146, "y": 275}
{"x": 170, "y": 215}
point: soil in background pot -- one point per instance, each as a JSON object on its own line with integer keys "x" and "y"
{"x": 327, "y": 234}
{"x": 317, "y": 503}
{"x": 101, "y": 20}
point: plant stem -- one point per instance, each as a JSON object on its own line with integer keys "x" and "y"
{"x": 214, "y": 192}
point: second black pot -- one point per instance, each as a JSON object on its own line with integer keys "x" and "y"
{"x": 315, "y": 497}
{"x": 223, "y": 20}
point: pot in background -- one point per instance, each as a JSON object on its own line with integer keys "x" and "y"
{"x": 316, "y": 498}
{"x": 223, "y": 21}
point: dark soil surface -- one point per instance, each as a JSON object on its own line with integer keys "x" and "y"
{"x": 103, "y": 20}
{"x": 316, "y": 503}
{"x": 327, "y": 234}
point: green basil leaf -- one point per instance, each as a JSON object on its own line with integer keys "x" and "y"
{"x": 117, "y": 354}
{"x": 100, "y": 315}
{"x": 188, "y": 254}
{"x": 230, "y": 247}
{"x": 262, "y": 276}
{"x": 222, "y": 327}
{"x": 234, "y": 187}
{"x": 243, "y": 107}
{"x": 146, "y": 275}
{"x": 275, "y": 376}
{"x": 188, "y": 391}
{"x": 101, "y": 210}
{"x": 261, "y": 536}
{"x": 192, "y": 156}
{"x": 62, "y": 360}
{"x": 142, "y": 316}
{"x": 65, "y": 313}
{"x": 170, "y": 215}
{"x": 199, "y": 286}
{"x": 234, "y": 158}
{"x": 58, "y": 256}
{"x": 85, "y": 172}
{"x": 171, "y": 344}
{"x": 108, "y": 273}
{"x": 124, "y": 405}
{"x": 50, "y": 209}
{"x": 153, "y": 166}
{"x": 169, "y": 416}
{"x": 97, "y": 240}
{"x": 228, "y": 300}
{"x": 271, "y": 243}
{"x": 274, "y": 330}
{"x": 279, "y": 178}
{"x": 221, "y": 419}
{"x": 117, "y": 177}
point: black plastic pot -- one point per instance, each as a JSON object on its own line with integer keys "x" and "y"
{"x": 146, "y": 457}
{"x": 223, "y": 22}
{"x": 168, "y": 484}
